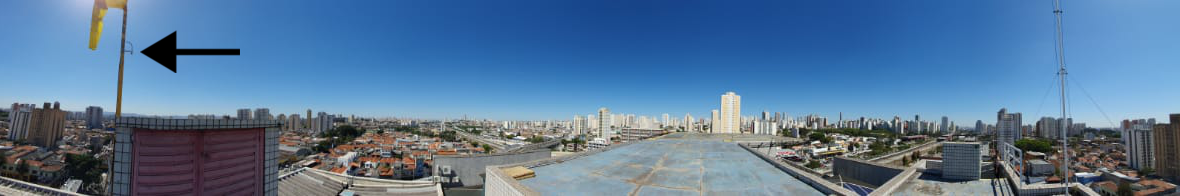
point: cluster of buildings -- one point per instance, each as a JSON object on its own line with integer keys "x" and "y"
{"x": 392, "y": 155}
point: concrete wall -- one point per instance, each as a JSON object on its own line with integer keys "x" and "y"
{"x": 863, "y": 171}
{"x": 811, "y": 179}
{"x": 469, "y": 170}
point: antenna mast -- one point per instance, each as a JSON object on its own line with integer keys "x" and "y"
{"x": 1061, "y": 72}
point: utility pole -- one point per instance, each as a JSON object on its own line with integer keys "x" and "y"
{"x": 1062, "y": 73}
{"x": 122, "y": 51}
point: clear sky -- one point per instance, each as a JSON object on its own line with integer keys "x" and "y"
{"x": 546, "y": 59}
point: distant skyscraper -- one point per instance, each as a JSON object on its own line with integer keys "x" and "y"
{"x": 244, "y": 114}
{"x": 579, "y": 125}
{"x": 715, "y": 126}
{"x": 262, "y": 114}
{"x": 945, "y": 126}
{"x": 980, "y": 128}
{"x": 1008, "y": 126}
{"x": 47, "y": 126}
{"x": 731, "y": 110}
{"x": 667, "y": 120}
{"x": 688, "y": 124}
{"x": 94, "y": 117}
{"x": 604, "y": 122}
{"x": 294, "y": 123}
{"x": 309, "y": 117}
{"x": 1166, "y": 138}
{"x": 282, "y": 118}
{"x": 322, "y": 123}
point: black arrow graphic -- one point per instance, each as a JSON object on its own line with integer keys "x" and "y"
{"x": 165, "y": 51}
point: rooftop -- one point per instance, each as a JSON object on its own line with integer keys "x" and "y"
{"x": 933, "y": 184}
{"x": 671, "y": 166}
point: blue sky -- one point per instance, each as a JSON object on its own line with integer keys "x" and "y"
{"x": 545, "y": 59}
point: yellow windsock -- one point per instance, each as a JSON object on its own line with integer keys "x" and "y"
{"x": 100, "y": 11}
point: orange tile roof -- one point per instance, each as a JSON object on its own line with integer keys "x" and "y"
{"x": 339, "y": 170}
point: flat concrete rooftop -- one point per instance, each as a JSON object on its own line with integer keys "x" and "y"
{"x": 667, "y": 166}
{"x": 933, "y": 184}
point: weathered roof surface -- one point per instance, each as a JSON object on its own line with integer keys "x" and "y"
{"x": 932, "y": 184}
{"x": 667, "y": 167}
{"x": 309, "y": 181}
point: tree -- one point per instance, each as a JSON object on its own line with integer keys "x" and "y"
{"x": 905, "y": 161}
{"x": 1034, "y": 145}
{"x": 487, "y": 148}
{"x": 23, "y": 170}
{"x": 380, "y": 132}
{"x": 816, "y": 136}
{"x": 82, "y": 167}
{"x": 915, "y": 156}
{"x": 813, "y": 164}
{"x": 1125, "y": 189}
{"x": 323, "y": 146}
{"x": 1147, "y": 171}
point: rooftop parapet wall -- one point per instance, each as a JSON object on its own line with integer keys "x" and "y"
{"x": 811, "y": 179}
{"x": 864, "y": 171}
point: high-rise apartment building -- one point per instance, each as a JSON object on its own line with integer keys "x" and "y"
{"x": 244, "y": 114}
{"x": 1008, "y": 126}
{"x": 19, "y": 120}
{"x": 579, "y": 125}
{"x": 604, "y": 124}
{"x": 322, "y": 123}
{"x": 731, "y": 110}
{"x": 282, "y": 118}
{"x": 945, "y": 126}
{"x": 1166, "y": 139}
{"x": 262, "y": 114}
{"x": 309, "y": 116}
{"x": 1051, "y": 128}
{"x": 94, "y": 117}
{"x": 980, "y": 128}
{"x": 689, "y": 126}
{"x": 715, "y": 126}
{"x": 1138, "y": 145}
{"x": 294, "y": 123}
{"x": 46, "y": 126}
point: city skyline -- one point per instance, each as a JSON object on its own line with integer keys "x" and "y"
{"x": 873, "y": 63}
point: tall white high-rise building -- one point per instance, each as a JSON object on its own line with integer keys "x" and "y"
{"x": 688, "y": 124}
{"x": 604, "y": 124}
{"x": 715, "y": 126}
{"x": 262, "y": 114}
{"x": 667, "y": 120}
{"x": 19, "y": 119}
{"x": 1138, "y": 140}
{"x": 1008, "y": 126}
{"x": 579, "y": 125}
{"x": 94, "y": 117}
{"x": 731, "y": 110}
{"x": 244, "y": 114}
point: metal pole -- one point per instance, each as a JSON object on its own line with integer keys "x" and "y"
{"x": 1061, "y": 72}
{"x": 119, "y": 95}
{"x": 122, "y": 51}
